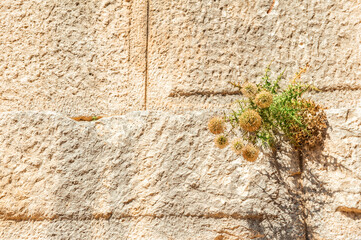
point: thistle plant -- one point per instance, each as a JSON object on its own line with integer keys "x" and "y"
{"x": 264, "y": 99}
{"x": 216, "y": 125}
{"x": 221, "y": 141}
{"x": 250, "y": 152}
{"x": 268, "y": 112}
{"x": 237, "y": 145}
{"x": 249, "y": 89}
{"x": 250, "y": 120}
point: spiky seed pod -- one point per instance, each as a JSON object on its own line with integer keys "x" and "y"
{"x": 249, "y": 89}
{"x": 315, "y": 120}
{"x": 237, "y": 145}
{"x": 264, "y": 99}
{"x": 221, "y": 141}
{"x": 250, "y": 120}
{"x": 216, "y": 125}
{"x": 250, "y": 152}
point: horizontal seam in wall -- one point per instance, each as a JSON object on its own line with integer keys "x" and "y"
{"x": 259, "y": 217}
{"x": 227, "y": 92}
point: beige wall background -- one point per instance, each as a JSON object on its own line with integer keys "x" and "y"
{"x": 73, "y": 57}
{"x": 112, "y": 57}
{"x": 154, "y": 173}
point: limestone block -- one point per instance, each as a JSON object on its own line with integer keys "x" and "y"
{"x": 144, "y": 175}
{"x": 337, "y": 99}
{"x": 332, "y": 180}
{"x": 196, "y": 47}
{"x": 176, "y": 227}
{"x": 74, "y": 57}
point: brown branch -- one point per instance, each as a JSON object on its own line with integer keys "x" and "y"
{"x": 87, "y": 118}
{"x": 270, "y": 9}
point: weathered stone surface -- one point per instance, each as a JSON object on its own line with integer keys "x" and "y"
{"x": 75, "y": 57}
{"x": 150, "y": 175}
{"x": 155, "y": 175}
{"x": 196, "y": 47}
{"x": 332, "y": 179}
{"x": 170, "y": 227}
{"x": 337, "y": 99}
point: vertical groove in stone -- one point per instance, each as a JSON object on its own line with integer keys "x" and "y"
{"x": 130, "y": 41}
{"x": 146, "y": 58}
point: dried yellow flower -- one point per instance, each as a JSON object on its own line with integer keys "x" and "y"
{"x": 221, "y": 141}
{"x": 237, "y": 145}
{"x": 264, "y": 99}
{"x": 250, "y": 120}
{"x": 216, "y": 125}
{"x": 250, "y": 152}
{"x": 249, "y": 89}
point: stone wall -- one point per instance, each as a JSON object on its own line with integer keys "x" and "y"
{"x": 197, "y": 47}
{"x": 154, "y": 173}
{"x": 73, "y": 57}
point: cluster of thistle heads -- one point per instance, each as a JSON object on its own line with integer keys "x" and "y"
{"x": 249, "y": 121}
{"x": 216, "y": 125}
{"x": 261, "y": 119}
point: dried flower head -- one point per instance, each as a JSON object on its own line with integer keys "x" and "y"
{"x": 237, "y": 145}
{"x": 249, "y": 89}
{"x": 264, "y": 99}
{"x": 250, "y": 120}
{"x": 315, "y": 120}
{"x": 216, "y": 125}
{"x": 250, "y": 152}
{"x": 221, "y": 141}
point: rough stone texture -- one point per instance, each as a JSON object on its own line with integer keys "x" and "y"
{"x": 155, "y": 175}
{"x": 150, "y": 175}
{"x": 196, "y": 47}
{"x": 97, "y": 57}
{"x": 332, "y": 179}
{"x": 76, "y": 57}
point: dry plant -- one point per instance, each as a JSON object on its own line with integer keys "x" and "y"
{"x": 267, "y": 112}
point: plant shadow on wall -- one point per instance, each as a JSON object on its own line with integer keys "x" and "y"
{"x": 263, "y": 121}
